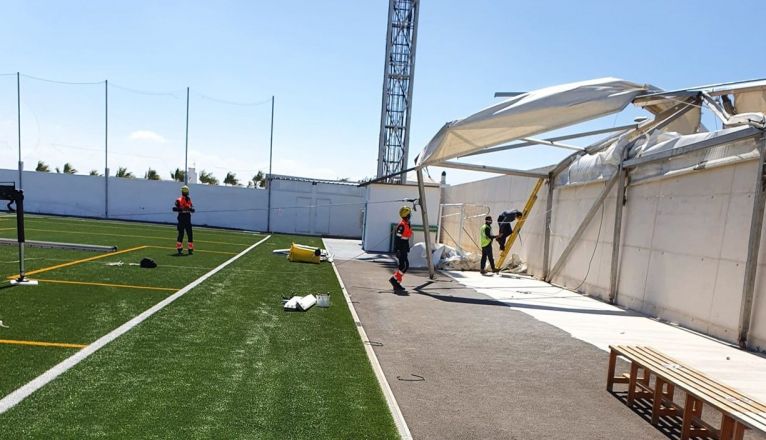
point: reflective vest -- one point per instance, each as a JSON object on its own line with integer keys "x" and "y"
{"x": 485, "y": 232}
{"x": 403, "y": 234}
{"x": 184, "y": 204}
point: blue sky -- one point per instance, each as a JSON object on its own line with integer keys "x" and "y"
{"x": 324, "y": 63}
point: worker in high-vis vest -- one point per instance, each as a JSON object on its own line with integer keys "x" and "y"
{"x": 486, "y": 244}
{"x": 184, "y": 207}
{"x": 402, "y": 236}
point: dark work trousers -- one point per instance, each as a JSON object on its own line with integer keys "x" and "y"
{"x": 184, "y": 224}
{"x": 404, "y": 262}
{"x": 486, "y": 253}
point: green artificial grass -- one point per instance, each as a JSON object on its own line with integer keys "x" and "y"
{"x": 223, "y": 361}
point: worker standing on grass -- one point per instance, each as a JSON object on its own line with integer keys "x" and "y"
{"x": 486, "y": 245}
{"x": 402, "y": 247}
{"x": 184, "y": 208}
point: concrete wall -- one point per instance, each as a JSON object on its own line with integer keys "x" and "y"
{"x": 683, "y": 247}
{"x": 383, "y": 203}
{"x": 317, "y": 208}
{"x": 218, "y": 206}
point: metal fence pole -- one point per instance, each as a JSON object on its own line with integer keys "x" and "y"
{"x": 186, "y": 144}
{"x": 18, "y": 113}
{"x": 106, "y": 148}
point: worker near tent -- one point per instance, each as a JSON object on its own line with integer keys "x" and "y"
{"x": 184, "y": 208}
{"x": 504, "y": 225}
{"x": 402, "y": 236}
{"x": 486, "y": 245}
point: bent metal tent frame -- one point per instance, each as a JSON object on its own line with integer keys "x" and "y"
{"x": 515, "y": 123}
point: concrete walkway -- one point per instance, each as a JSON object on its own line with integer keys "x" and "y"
{"x": 464, "y": 366}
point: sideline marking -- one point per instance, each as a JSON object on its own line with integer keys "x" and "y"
{"x": 40, "y": 381}
{"x": 124, "y": 286}
{"x": 154, "y": 237}
{"x": 393, "y": 406}
{"x": 42, "y": 344}
{"x": 84, "y": 260}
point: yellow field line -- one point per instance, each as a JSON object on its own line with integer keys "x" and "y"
{"x": 41, "y": 344}
{"x": 124, "y": 286}
{"x": 195, "y": 250}
{"x": 72, "y": 263}
{"x": 126, "y": 235}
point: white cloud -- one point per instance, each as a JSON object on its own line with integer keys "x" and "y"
{"x": 147, "y": 135}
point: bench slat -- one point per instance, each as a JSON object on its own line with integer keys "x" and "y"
{"x": 700, "y": 390}
{"x": 739, "y": 406}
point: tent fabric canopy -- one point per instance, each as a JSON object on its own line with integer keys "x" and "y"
{"x": 529, "y": 114}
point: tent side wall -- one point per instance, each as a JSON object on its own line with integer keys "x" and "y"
{"x": 683, "y": 247}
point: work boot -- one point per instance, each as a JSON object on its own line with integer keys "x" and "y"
{"x": 483, "y": 272}
{"x": 180, "y": 251}
{"x": 191, "y": 251}
{"x": 393, "y": 282}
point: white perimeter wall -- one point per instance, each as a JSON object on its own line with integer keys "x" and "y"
{"x": 317, "y": 209}
{"x": 383, "y": 203}
{"x": 684, "y": 243}
{"x": 218, "y": 206}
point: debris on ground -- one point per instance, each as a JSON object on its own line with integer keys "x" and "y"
{"x": 299, "y": 303}
{"x": 305, "y": 254}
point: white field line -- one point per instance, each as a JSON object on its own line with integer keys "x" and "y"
{"x": 393, "y": 406}
{"x": 25, "y": 391}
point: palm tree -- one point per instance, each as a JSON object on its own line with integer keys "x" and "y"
{"x": 178, "y": 175}
{"x": 94, "y": 173}
{"x": 69, "y": 169}
{"x": 123, "y": 172}
{"x": 231, "y": 179}
{"x": 208, "y": 178}
{"x": 151, "y": 175}
{"x": 259, "y": 180}
{"x": 42, "y": 167}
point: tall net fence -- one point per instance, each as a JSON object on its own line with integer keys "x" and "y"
{"x": 88, "y": 127}
{"x": 460, "y": 226}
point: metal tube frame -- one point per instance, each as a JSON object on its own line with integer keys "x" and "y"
{"x": 426, "y": 226}
{"x": 753, "y": 248}
{"x": 620, "y": 201}
{"x": 581, "y": 229}
{"x": 496, "y": 170}
{"x": 548, "y": 221}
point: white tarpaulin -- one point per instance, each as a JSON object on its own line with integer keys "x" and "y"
{"x": 528, "y": 114}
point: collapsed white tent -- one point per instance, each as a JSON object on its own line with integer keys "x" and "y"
{"x": 529, "y": 114}
{"x": 673, "y": 141}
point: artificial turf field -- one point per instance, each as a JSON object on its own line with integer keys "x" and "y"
{"x": 222, "y": 361}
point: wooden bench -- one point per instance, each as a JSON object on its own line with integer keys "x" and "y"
{"x": 738, "y": 411}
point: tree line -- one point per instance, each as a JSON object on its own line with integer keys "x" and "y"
{"x": 178, "y": 175}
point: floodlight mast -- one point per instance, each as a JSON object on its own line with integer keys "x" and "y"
{"x": 396, "y": 106}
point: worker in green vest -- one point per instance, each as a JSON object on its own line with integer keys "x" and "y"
{"x": 486, "y": 245}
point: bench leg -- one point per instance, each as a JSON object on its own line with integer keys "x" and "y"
{"x": 739, "y": 431}
{"x": 692, "y": 409}
{"x": 727, "y": 428}
{"x": 610, "y": 373}
{"x": 632, "y": 383}
{"x": 657, "y": 401}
